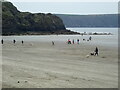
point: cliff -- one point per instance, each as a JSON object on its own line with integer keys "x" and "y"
{"x": 16, "y": 22}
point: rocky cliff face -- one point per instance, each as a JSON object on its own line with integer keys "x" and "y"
{"x": 16, "y": 22}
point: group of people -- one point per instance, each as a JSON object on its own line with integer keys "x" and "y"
{"x": 69, "y": 42}
{"x": 95, "y": 53}
{"x": 14, "y": 41}
{"x": 90, "y": 38}
{"x": 73, "y": 41}
{"x": 78, "y": 40}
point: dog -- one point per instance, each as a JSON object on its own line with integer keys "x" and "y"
{"x": 92, "y": 53}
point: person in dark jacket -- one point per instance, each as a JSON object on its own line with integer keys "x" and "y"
{"x": 78, "y": 41}
{"x": 53, "y": 43}
{"x": 73, "y": 41}
{"x": 2, "y": 41}
{"x": 90, "y": 38}
{"x": 96, "y": 51}
{"x": 22, "y": 41}
{"x": 14, "y": 41}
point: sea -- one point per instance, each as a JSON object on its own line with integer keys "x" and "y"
{"x": 93, "y": 30}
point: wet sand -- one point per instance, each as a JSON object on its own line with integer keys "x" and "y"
{"x": 41, "y": 65}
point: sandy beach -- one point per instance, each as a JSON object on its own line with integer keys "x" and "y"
{"x": 39, "y": 64}
{"x": 0, "y": 65}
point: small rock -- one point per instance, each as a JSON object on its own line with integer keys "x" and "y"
{"x": 25, "y": 81}
{"x": 67, "y": 80}
{"x": 103, "y": 57}
{"x": 87, "y": 56}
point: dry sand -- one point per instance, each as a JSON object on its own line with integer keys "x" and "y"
{"x": 41, "y": 65}
{"x": 0, "y": 65}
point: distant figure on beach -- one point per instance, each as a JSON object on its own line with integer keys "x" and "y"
{"x": 14, "y": 41}
{"x": 22, "y": 41}
{"x": 69, "y": 42}
{"x": 96, "y": 51}
{"x": 73, "y": 41}
{"x": 53, "y": 43}
{"x": 2, "y": 41}
{"x": 83, "y": 39}
{"x": 78, "y": 41}
{"x": 90, "y": 38}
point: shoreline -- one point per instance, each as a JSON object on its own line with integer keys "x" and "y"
{"x": 59, "y": 34}
{"x": 68, "y": 31}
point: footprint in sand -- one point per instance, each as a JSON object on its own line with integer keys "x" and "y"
{"x": 103, "y": 57}
{"x": 68, "y": 80}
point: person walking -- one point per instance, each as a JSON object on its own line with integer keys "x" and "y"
{"x": 69, "y": 42}
{"x": 90, "y": 38}
{"x": 73, "y": 41}
{"x": 53, "y": 43}
{"x": 2, "y": 41}
{"x": 22, "y": 41}
{"x": 96, "y": 51}
{"x": 14, "y": 41}
{"x": 78, "y": 41}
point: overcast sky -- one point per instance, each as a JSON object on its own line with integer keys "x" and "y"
{"x": 87, "y": 7}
